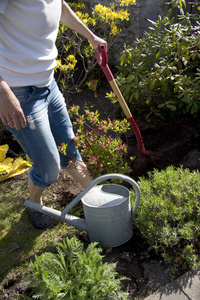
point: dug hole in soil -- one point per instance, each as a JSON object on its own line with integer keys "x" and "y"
{"x": 174, "y": 141}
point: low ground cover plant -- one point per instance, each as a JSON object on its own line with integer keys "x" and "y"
{"x": 169, "y": 215}
{"x": 73, "y": 273}
{"x": 161, "y": 71}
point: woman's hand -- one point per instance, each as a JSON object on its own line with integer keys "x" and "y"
{"x": 11, "y": 112}
{"x": 96, "y": 42}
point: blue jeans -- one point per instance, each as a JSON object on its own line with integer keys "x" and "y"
{"x": 48, "y": 126}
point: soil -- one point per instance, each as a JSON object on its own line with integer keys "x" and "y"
{"x": 173, "y": 141}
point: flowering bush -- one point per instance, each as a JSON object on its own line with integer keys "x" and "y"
{"x": 103, "y": 152}
{"x": 76, "y": 57}
{"x": 110, "y": 18}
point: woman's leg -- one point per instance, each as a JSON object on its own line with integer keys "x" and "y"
{"x": 37, "y": 140}
{"x": 63, "y": 133}
{"x": 35, "y": 192}
{"x": 81, "y": 174}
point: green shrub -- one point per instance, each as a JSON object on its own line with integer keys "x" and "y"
{"x": 169, "y": 215}
{"x": 73, "y": 273}
{"x": 162, "y": 70}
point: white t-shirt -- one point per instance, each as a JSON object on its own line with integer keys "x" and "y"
{"x": 28, "y": 31}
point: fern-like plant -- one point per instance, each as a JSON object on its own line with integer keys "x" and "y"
{"x": 73, "y": 273}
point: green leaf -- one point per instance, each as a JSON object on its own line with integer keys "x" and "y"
{"x": 161, "y": 105}
{"x": 194, "y": 109}
{"x": 158, "y": 54}
{"x": 136, "y": 95}
{"x": 169, "y": 13}
{"x": 172, "y": 107}
{"x": 148, "y": 100}
{"x": 152, "y": 84}
{"x": 130, "y": 78}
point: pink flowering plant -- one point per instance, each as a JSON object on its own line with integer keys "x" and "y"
{"x": 99, "y": 142}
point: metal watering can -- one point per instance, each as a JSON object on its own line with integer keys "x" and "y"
{"x": 107, "y": 209}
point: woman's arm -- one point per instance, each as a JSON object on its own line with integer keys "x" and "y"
{"x": 71, "y": 20}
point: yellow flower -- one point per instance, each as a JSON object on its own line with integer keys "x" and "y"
{"x": 109, "y": 15}
{"x": 123, "y": 15}
{"x": 71, "y": 58}
{"x": 115, "y": 30}
{"x": 58, "y": 61}
{"x": 92, "y": 21}
{"x": 74, "y": 6}
{"x": 70, "y": 66}
{"x": 102, "y": 10}
{"x": 126, "y": 2}
{"x": 71, "y": 62}
{"x": 81, "y": 5}
{"x": 79, "y": 14}
{"x": 63, "y": 68}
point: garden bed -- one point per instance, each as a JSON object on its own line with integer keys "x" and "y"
{"x": 135, "y": 259}
{"x": 174, "y": 141}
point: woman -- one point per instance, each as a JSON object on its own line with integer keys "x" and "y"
{"x": 31, "y": 105}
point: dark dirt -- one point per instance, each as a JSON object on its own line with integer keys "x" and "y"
{"x": 174, "y": 141}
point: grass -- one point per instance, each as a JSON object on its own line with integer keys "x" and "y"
{"x": 19, "y": 240}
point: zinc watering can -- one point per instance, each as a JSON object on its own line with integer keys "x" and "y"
{"x": 107, "y": 209}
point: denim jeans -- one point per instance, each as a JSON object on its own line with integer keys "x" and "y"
{"x": 48, "y": 126}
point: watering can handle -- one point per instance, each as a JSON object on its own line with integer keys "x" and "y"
{"x": 102, "y": 178}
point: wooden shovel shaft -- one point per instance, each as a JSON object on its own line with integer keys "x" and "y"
{"x": 102, "y": 61}
{"x": 121, "y": 100}
{"x": 129, "y": 116}
{"x": 119, "y": 96}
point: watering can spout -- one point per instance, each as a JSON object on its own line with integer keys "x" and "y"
{"x": 56, "y": 214}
